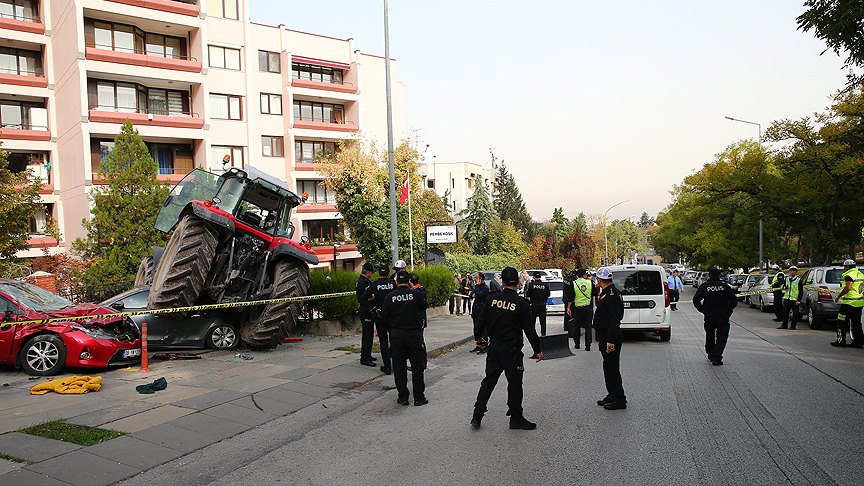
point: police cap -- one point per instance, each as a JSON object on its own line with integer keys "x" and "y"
{"x": 383, "y": 271}
{"x": 368, "y": 267}
{"x": 538, "y": 274}
{"x": 402, "y": 278}
{"x": 510, "y": 276}
{"x": 714, "y": 273}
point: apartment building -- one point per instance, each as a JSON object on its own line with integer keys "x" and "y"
{"x": 204, "y": 86}
{"x": 456, "y": 180}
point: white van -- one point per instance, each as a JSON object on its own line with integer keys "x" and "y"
{"x": 646, "y": 298}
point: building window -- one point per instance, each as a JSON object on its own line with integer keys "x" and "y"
{"x": 227, "y": 9}
{"x": 26, "y": 10}
{"x": 269, "y": 62}
{"x": 135, "y": 98}
{"x": 172, "y": 158}
{"x": 21, "y": 115}
{"x": 319, "y": 112}
{"x": 128, "y": 38}
{"x": 224, "y": 57}
{"x": 219, "y": 152}
{"x": 20, "y": 62}
{"x": 225, "y": 107}
{"x": 271, "y": 104}
{"x": 39, "y": 221}
{"x": 306, "y": 151}
{"x": 324, "y": 230}
{"x": 271, "y": 146}
{"x": 316, "y": 192}
{"x": 316, "y": 73}
{"x": 430, "y": 183}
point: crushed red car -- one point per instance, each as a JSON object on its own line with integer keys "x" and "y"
{"x": 46, "y": 349}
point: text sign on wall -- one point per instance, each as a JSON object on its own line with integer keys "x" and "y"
{"x": 441, "y": 234}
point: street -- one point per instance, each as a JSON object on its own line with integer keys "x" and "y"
{"x": 783, "y": 410}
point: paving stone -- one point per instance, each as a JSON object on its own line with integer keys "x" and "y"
{"x": 81, "y": 468}
{"x": 217, "y": 427}
{"x": 210, "y": 399}
{"x": 8, "y": 466}
{"x": 173, "y": 437}
{"x": 33, "y": 448}
{"x": 251, "y": 385}
{"x": 345, "y": 376}
{"x": 25, "y": 477}
{"x": 239, "y": 414}
{"x": 133, "y": 452}
{"x": 297, "y": 374}
{"x": 152, "y": 417}
{"x": 175, "y": 393}
{"x": 289, "y": 397}
{"x": 271, "y": 406}
{"x": 310, "y": 390}
{"x": 95, "y": 419}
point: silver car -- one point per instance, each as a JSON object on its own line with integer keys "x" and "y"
{"x": 818, "y": 303}
{"x": 765, "y": 300}
{"x": 748, "y": 284}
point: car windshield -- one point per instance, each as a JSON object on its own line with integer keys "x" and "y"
{"x": 633, "y": 282}
{"x": 34, "y": 297}
{"x": 740, "y": 278}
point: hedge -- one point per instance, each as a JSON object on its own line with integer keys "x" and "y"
{"x": 439, "y": 283}
{"x": 468, "y": 263}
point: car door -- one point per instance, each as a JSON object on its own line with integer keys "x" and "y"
{"x": 626, "y": 281}
{"x": 652, "y": 300}
{"x": 809, "y": 295}
{"x": 9, "y": 312}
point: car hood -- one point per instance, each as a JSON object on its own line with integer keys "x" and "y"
{"x": 84, "y": 310}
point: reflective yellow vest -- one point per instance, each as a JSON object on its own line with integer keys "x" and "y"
{"x": 582, "y": 289}
{"x": 790, "y": 288}
{"x": 855, "y": 296}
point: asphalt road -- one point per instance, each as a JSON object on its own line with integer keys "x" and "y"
{"x": 784, "y": 409}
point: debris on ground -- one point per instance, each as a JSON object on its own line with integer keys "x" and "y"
{"x": 158, "y": 385}
{"x": 244, "y": 355}
{"x": 293, "y": 339}
{"x": 73, "y": 385}
{"x": 175, "y": 356}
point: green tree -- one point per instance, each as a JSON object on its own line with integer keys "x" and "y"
{"x": 645, "y": 221}
{"x": 509, "y": 203}
{"x": 478, "y": 217}
{"x": 19, "y": 198}
{"x": 625, "y": 237}
{"x": 120, "y": 232}
{"x": 505, "y": 238}
{"x": 838, "y": 23}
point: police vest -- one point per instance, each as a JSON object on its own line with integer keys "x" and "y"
{"x": 790, "y": 292}
{"x": 777, "y": 277}
{"x": 855, "y": 296}
{"x": 582, "y": 289}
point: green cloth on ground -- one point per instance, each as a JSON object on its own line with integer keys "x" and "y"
{"x": 158, "y": 385}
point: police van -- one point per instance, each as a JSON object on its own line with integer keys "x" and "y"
{"x": 646, "y": 298}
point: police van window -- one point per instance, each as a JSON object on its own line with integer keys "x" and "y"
{"x": 650, "y": 283}
{"x": 626, "y": 282}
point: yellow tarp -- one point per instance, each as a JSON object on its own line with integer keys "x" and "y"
{"x": 70, "y": 385}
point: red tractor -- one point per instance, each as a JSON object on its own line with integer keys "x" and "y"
{"x": 231, "y": 242}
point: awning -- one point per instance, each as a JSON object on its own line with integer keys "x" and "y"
{"x": 320, "y": 62}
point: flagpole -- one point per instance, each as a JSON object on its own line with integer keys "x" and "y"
{"x": 410, "y": 226}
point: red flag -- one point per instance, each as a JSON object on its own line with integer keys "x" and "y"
{"x": 403, "y": 197}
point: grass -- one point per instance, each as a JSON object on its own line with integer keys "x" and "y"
{"x": 75, "y": 434}
{"x": 354, "y": 348}
{"x": 15, "y": 459}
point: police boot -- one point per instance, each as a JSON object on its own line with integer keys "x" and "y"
{"x": 519, "y": 422}
{"x": 841, "y": 340}
{"x": 476, "y": 420}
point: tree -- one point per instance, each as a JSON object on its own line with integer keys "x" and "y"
{"x": 19, "y": 198}
{"x": 505, "y": 238}
{"x": 478, "y": 217}
{"x": 624, "y": 238}
{"x": 645, "y": 221}
{"x": 121, "y": 233}
{"x": 838, "y": 23}
{"x": 578, "y": 249}
{"x": 509, "y": 203}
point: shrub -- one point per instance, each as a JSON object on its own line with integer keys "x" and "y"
{"x": 339, "y": 281}
{"x": 469, "y": 263}
{"x": 439, "y": 283}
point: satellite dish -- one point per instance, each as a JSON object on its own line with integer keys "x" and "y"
{"x": 434, "y": 256}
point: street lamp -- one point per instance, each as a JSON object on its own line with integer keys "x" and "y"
{"x": 394, "y": 234}
{"x": 759, "y": 127}
{"x": 605, "y": 238}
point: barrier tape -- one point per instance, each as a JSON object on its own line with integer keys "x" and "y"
{"x": 173, "y": 310}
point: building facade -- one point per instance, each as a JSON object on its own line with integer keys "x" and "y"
{"x": 456, "y": 180}
{"x": 204, "y": 86}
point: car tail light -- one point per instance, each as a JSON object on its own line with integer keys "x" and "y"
{"x": 208, "y": 203}
{"x": 824, "y": 293}
{"x": 666, "y": 293}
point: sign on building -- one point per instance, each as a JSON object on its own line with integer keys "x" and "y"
{"x": 441, "y": 234}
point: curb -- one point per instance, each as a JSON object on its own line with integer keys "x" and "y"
{"x": 430, "y": 352}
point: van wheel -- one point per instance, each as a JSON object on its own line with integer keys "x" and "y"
{"x": 666, "y": 335}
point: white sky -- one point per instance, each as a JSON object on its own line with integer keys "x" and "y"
{"x": 588, "y": 103}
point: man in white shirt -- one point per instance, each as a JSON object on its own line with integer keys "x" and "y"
{"x": 675, "y": 287}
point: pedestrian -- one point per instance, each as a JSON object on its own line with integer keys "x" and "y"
{"x": 495, "y": 284}
{"x": 581, "y": 309}
{"x": 607, "y": 324}
{"x": 537, "y": 293}
{"x": 506, "y": 318}
{"x": 777, "y": 282}
{"x": 467, "y": 285}
{"x": 480, "y": 293}
{"x": 791, "y": 299}
{"x": 567, "y": 297}
{"x": 365, "y": 313}
{"x": 675, "y": 287}
{"x": 456, "y": 298}
{"x": 376, "y": 294}
{"x": 715, "y": 300}
{"x": 403, "y": 311}
{"x": 851, "y": 300}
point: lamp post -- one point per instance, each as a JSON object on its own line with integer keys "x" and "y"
{"x": 605, "y": 238}
{"x": 394, "y": 234}
{"x": 759, "y": 128}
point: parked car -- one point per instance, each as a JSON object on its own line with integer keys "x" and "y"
{"x": 209, "y": 329}
{"x": 646, "y": 298}
{"x": 736, "y": 281}
{"x": 765, "y": 300}
{"x": 748, "y": 284}
{"x": 46, "y": 349}
{"x": 689, "y": 277}
{"x": 818, "y": 305}
{"x": 555, "y": 302}
{"x": 701, "y": 278}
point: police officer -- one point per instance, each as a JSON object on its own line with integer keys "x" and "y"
{"x": 581, "y": 309}
{"x": 777, "y": 282}
{"x": 791, "y": 298}
{"x": 675, "y": 287}
{"x": 851, "y": 300}
{"x": 399, "y": 266}
{"x": 480, "y": 293}
{"x": 506, "y": 316}
{"x": 567, "y": 298}
{"x": 715, "y": 299}
{"x": 607, "y": 324}
{"x": 403, "y": 312}
{"x": 537, "y": 293}
{"x": 365, "y": 314}
{"x": 376, "y": 293}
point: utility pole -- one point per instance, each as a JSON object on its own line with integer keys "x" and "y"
{"x": 394, "y": 232}
{"x": 759, "y": 127}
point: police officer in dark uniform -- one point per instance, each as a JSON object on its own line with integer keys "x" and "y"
{"x": 607, "y": 324}
{"x": 567, "y": 297}
{"x": 538, "y": 293}
{"x": 505, "y": 317}
{"x": 375, "y": 293}
{"x": 403, "y": 311}
{"x": 365, "y": 314}
{"x": 715, "y": 299}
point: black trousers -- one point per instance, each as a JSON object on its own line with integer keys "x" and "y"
{"x": 408, "y": 346}
{"x": 674, "y": 296}
{"x": 790, "y": 307}
{"x": 778, "y": 305}
{"x": 849, "y": 319}
{"x": 582, "y": 317}
{"x": 367, "y": 334}
{"x": 539, "y": 310}
{"x": 451, "y": 303}
{"x": 502, "y": 358}
{"x": 612, "y": 372}
{"x": 384, "y": 340}
{"x": 716, "y": 335}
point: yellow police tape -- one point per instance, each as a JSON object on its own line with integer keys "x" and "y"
{"x": 769, "y": 291}
{"x": 173, "y": 310}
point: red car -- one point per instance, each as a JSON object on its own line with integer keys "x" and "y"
{"x": 46, "y": 349}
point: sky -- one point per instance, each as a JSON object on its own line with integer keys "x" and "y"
{"x": 588, "y": 103}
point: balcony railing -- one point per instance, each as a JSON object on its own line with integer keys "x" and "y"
{"x": 331, "y": 81}
{"x": 21, "y": 18}
{"x": 143, "y": 52}
{"x": 161, "y": 171}
{"x": 36, "y": 73}
{"x": 114, "y": 109}
{"x": 24, "y": 126}
{"x": 326, "y": 122}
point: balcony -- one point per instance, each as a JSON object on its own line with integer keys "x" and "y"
{"x": 118, "y": 55}
{"x": 25, "y": 131}
{"x": 35, "y": 77}
{"x": 182, "y": 7}
{"x": 22, "y": 23}
{"x": 348, "y": 126}
{"x": 316, "y": 208}
{"x": 339, "y": 87}
{"x": 171, "y": 175}
{"x": 109, "y": 114}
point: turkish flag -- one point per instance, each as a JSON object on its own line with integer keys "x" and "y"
{"x": 403, "y": 197}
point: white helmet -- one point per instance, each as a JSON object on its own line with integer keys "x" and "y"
{"x": 849, "y": 263}
{"x": 400, "y": 264}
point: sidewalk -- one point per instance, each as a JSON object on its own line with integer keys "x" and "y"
{"x": 207, "y": 400}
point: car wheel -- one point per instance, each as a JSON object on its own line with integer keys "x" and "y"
{"x": 814, "y": 319}
{"x": 666, "y": 335}
{"x": 43, "y": 355}
{"x": 223, "y": 337}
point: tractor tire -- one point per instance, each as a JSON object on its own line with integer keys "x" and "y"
{"x": 290, "y": 279}
{"x": 179, "y": 279}
{"x": 145, "y": 272}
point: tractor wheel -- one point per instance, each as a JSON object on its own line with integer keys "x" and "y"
{"x": 145, "y": 272}
{"x": 290, "y": 279}
{"x": 179, "y": 278}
